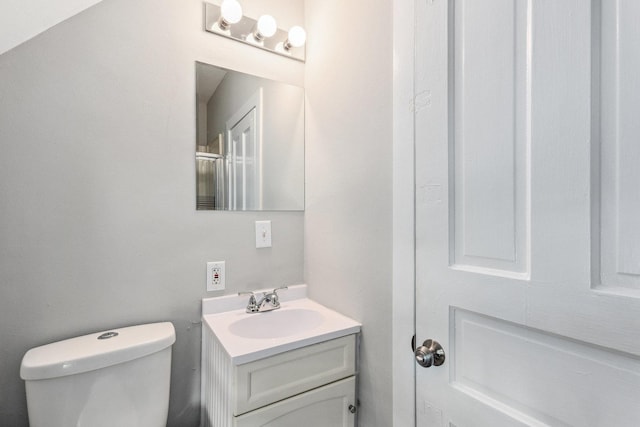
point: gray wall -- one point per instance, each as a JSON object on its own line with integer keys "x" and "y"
{"x": 21, "y": 20}
{"x": 348, "y": 218}
{"x": 98, "y": 227}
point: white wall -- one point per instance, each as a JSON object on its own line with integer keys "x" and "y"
{"x": 20, "y": 20}
{"x": 98, "y": 227}
{"x": 348, "y": 218}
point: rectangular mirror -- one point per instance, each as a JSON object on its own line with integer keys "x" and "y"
{"x": 250, "y": 142}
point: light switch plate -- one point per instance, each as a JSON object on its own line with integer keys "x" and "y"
{"x": 263, "y": 234}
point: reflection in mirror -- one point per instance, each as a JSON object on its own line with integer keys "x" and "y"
{"x": 250, "y": 142}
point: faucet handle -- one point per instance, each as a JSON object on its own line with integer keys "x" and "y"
{"x": 274, "y": 296}
{"x": 275, "y": 291}
{"x": 252, "y": 306}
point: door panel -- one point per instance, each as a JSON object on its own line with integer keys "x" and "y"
{"x": 541, "y": 375}
{"x": 619, "y": 37}
{"x": 488, "y": 125}
{"x": 527, "y": 211}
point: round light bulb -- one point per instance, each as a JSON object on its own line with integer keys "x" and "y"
{"x": 231, "y": 11}
{"x": 266, "y": 26}
{"x": 297, "y": 36}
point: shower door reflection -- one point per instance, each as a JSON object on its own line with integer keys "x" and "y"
{"x": 210, "y": 189}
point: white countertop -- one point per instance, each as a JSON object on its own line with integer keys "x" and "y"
{"x": 220, "y": 313}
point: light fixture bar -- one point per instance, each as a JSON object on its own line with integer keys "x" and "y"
{"x": 240, "y": 30}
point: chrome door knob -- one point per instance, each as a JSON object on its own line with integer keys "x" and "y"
{"x": 430, "y": 353}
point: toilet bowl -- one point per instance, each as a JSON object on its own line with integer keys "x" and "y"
{"x": 115, "y": 378}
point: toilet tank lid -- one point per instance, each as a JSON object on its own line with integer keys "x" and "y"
{"x": 88, "y": 353}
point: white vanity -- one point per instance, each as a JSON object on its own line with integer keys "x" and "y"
{"x": 294, "y": 366}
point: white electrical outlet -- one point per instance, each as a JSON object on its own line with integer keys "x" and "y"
{"x": 215, "y": 276}
{"x": 263, "y": 234}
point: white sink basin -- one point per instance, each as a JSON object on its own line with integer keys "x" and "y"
{"x": 277, "y": 323}
{"x": 299, "y": 322}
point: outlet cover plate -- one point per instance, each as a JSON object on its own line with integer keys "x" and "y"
{"x": 215, "y": 276}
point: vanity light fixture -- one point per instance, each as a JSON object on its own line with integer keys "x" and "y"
{"x": 227, "y": 20}
{"x": 296, "y": 38}
{"x": 230, "y": 13}
{"x": 265, "y": 27}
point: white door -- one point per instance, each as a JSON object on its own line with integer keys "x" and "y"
{"x": 242, "y": 163}
{"x": 528, "y": 211}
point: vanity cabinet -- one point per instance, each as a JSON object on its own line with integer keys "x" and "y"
{"x": 312, "y": 386}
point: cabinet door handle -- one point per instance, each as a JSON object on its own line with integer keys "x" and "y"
{"x": 352, "y": 409}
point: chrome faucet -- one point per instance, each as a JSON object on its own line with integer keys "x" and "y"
{"x": 269, "y": 301}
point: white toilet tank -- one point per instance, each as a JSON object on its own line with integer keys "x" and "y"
{"x": 114, "y": 378}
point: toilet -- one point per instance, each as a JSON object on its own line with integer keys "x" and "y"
{"x": 115, "y": 378}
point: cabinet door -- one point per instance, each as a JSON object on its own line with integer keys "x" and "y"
{"x": 270, "y": 380}
{"x": 321, "y": 407}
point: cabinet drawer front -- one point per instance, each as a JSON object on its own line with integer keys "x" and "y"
{"x": 322, "y": 407}
{"x": 269, "y": 380}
